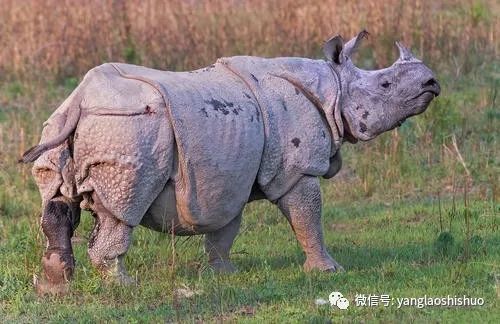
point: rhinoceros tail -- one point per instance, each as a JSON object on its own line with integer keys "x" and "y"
{"x": 32, "y": 154}
{"x": 73, "y": 116}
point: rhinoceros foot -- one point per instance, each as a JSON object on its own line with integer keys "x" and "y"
{"x": 326, "y": 264}
{"x": 115, "y": 272}
{"x": 44, "y": 287}
{"x": 222, "y": 266}
{"x": 56, "y": 275}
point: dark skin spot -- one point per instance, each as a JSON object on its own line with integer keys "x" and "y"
{"x": 251, "y": 118}
{"x": 362, "y": 127}
{"x": 296, "y": 142}
{"x": 359, "y": 107}
{"x": 218, "y": 105}
{"x": 284, "y": 106}
{"x": 257, "y": 111}
{"x": 254, "y": 77}
{"x": 204, "y": 111}
{"x": 365, "y": 114}
{"x": 323, "y": 134}
{"x": 222, "y": 106}
{"x": 148, "y": 110}
{"x": 236, "y": 110}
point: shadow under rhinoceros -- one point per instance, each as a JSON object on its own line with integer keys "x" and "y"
{"x": 365, "y": 257}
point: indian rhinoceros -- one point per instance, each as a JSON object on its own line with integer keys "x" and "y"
{"x": 183, "y": 152}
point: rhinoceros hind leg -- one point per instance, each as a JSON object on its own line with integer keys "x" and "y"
{"x": 219, "y": 243}
{"x": 302, "y": 207}
{"x": 59, "y": 220}
{"x": 108, "y": 244}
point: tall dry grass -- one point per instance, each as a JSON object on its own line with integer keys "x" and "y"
{"x": 45, "y": 42}
{"x": 59, "y": 38}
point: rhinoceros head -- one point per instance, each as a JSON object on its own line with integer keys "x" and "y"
{"x": 377, "y": 101}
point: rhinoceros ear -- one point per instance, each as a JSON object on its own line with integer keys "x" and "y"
{"x": 352, "y": 45}
{"x": 333, "y": 48}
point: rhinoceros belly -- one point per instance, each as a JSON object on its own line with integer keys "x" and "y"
{"x": 162, "y": 215}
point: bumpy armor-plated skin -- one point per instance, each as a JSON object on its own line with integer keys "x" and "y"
{"x": 190, "y": 134}
{"x": 183, "y": 152}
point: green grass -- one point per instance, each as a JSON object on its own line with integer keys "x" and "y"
{"x": 386, "y": 249}
{"x": 396, "y": 218}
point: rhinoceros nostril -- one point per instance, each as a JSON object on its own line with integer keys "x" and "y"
{"x": 429, "y": 83}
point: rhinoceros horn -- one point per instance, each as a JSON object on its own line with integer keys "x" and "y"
{"x": 404, "y": 53}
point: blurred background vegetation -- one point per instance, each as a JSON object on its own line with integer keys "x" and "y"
{"x": 47, "y": 46}
{"x": 57, "y": 39}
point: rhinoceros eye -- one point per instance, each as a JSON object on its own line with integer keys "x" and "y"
{"x": 386, "y": 84}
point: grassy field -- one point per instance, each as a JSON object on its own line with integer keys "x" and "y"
{"x": 386, "y": 248}
{"x": 414, "y": 212}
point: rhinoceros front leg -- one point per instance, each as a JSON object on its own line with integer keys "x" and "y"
{"x": 219, "y": 243}
{"x": 302, "y": 207}
{"x": 108, "y": 244}
{"x": 59, "y": 220}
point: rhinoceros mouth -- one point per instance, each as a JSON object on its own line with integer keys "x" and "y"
{"x": 421, "y": 101}
{"x": 429, "y": 94}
